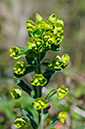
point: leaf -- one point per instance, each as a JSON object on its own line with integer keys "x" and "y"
{"x": 42, "y": 55}
{"x": 53, "y": 123}
{"x": 60, "y": 69}
{"x": 45, "y": 63}
{"x": 55, "y": 47}
{"x": 29, "y": 115}
{"x": 31, "y": 61}
{"x": 22, "y": 51}
{"x": 54, "y": 92}
{"x": 25, "y": 88}
{"x": 49, "y": 72}
{"x": 16, "y": 93}
{"x": 45, "y": 115}
{"x": 29, "y": 69}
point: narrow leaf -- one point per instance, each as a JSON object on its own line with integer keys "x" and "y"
{"x": 53, "y": 123}
{"x": 29, "y": 115}
{"x": 25, "y": 88}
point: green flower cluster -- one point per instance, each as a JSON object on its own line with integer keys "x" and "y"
{"x": 45, "y": 33}
{"x": 58, "y": 62}
{"x": 62, "y": 116}
{"x": 19, "y": 67}
{"x": 40, "y": 103}
{"x": 61, "y": 91}
{"x": 38, "y": 80}
{"x": 19, "y": 122}
{"x": 14, "y": 52}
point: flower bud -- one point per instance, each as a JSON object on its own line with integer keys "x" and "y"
{"x": 16, "y": 93}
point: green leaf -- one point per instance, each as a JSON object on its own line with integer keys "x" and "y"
{"x": 29, "y": 115}
{"x": 55, "y": 47}
{"x": 29, "y": 69}
{"x": 22, "y": 51}
{"x": 49, "y": 72}
{"x": 42, "y": 55}
{"x": 45, "y": 115}
{"x": 53, "y": 123}
{"x": 30, "y": 61}
{"x": 25, "y": 88}
{"x": 54, "y": 92}
{"x": 60, "y": 69}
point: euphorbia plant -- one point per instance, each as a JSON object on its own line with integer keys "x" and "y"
{"x": 44, "y": 35}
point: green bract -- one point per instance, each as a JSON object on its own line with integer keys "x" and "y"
{"x": 48, "y": 38}
{"x": 16, "y": 93}
{"x": 65, "y": 59}
{"x": 30, "y": 25}
{"x": 14, "y": 52}
{"x": 62, "y": 116}
{"x": 40, "y": 103}
{"x": 61, "y": 91}
{"x": 52, "y": 18}
{"x": 55, "y": 63}
{"x": 19, "y": 67}
{"x": 34, "y": 43}
{"x": 19, "y": 122}
{"x": 38, "y": 80}
{"x": 45, "y": 25}
{"x": 38, "y": 18}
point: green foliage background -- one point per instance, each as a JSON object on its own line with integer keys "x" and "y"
{"x": 13, "y": 14}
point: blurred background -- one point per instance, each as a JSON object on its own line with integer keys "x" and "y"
{"x": 13, "y": 14}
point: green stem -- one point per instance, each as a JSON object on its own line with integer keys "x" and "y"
{"x": 41, "y": 118}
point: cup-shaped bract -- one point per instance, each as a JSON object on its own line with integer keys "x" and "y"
{"x": 48, "y": 38}
{"x": 19, "y": 67}
{"x": 61, "y": 91}
{"x": 30, "y": 25}
{"x": 62, "y": 116}
{"x": 45, "y": 25}
{"x": 65, "y": 58}
{"x": 16, "y": 93}
{"x": 34, "y": 43}
{"x": 19, "y": 122}
{"x": 14, "y": 52}
{"x": 40, "y": 103}
{"x": 38, "y": 80}
{"x": 55, "y": 63}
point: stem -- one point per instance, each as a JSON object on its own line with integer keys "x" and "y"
{"x": 41, "y": 118}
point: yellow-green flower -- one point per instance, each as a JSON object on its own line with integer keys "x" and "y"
{"x": 19, "y": 122}
{"x": 65, "y": 59}
{"x": 62, "y": 116}
{"x": 61, "y": 91}
{"x": 14, "y": 52}
{"x": 48, "y": 38}
{"x": 38, "y": 80}
{"x": 45, "y": 25}
{"x": 16, "y": 93}
{"x": 19, "y": 67}
{"x": 40, "y": 103}
{"x": 55, "y": 63}
{"x": 34, "y": 43}
{"x": 30, "y": 25}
